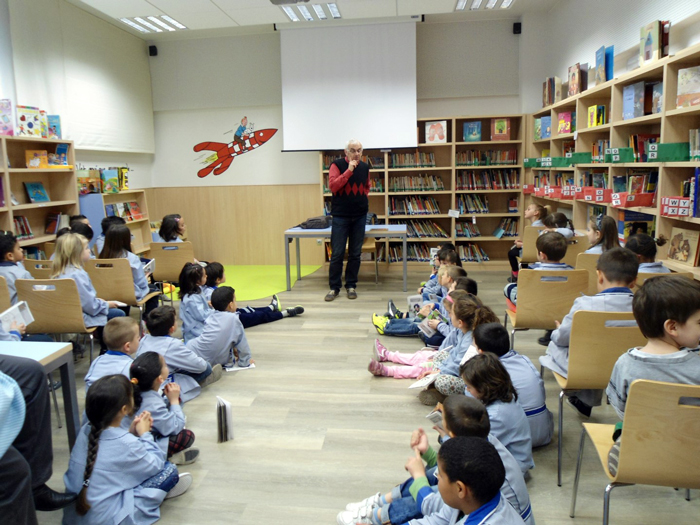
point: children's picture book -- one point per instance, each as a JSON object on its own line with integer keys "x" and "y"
{"x": 688, "y": 87}
{"x": 538, "y": 129}
{"x": 52, "y": 220}
{"x": 471, "y": 352}
{"x": 683, "y": 246}
{"x": 578, "y": 79}
{"x": 28, "y": 121}
{"x": 18, "y": 313}
{"x": 44, "y": 124}
{"x": 7, "y": 118}
{"x": 88, "y": 181}
{"x": 224, "y": 420}
{"x": 123, "y": 176}
{"x": 36, "y": 192}
{"x": 657, "y": 97}
{"x": 592, "y": 113}
{"x": 653, "y": 41}
{"x": 633, "y": 101}
{"x": 500, "y": 129}
{"x": 54, "y": 126}
{"x": 233, "y": 367}
{"x": 632, "y": 222}
{"x": 435, "y": 418}
{"x": 564, "y": 123}
{"x": 121, "y": 210}
{"x": 149, "y": 267}
{"x": 110, "y": 181}
{"x": 110, "y": 210}
{"x": 414, "y": 303}
{"x": 135, "y": 211}
{"x": 436, "y": 132}
{"x": 423, "y": 325}
{"x": 546, "y": 128}
{"x": 619, "y": 183}
{"x": 636, "y": 184}
{"x": 36, "y": 159}
{"x": 600, "y": 76}
{"x": 472, "y": 131}
{"x": 425, "y": 382}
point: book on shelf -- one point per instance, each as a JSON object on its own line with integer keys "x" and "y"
{"x": 416, "y": 183}
{"x": 413, "y": 160}
{"x": 2, "y": 194}
{"x": 122, "y": 178}
{"x": 683, "y": 246}
{"x": 413, "y": 206}
{"x": 578, "y": 79}
{"x": 512, "y": 205}
{"x": 54, "y": 122}
{"x": 564, "y": 124}
{"x": 546, "y": 127}
{"x": 633, "y": 101}
{"x": 35, "y": 253}
{"x": 496, "y": 179}
{"x": 508, "y": 227}
{"x": 110, "y": 181}
{"x": 472, "y": 203}
{"x": 44, "y": 124}
{"x": 633, "y": 222}
{"x": 500, "y": 129}
{"x": 422, "y": 228}
{"x": 7, "y": 118}
{"x": 538, "y": 129}
{"x": 36, "y": 192}
{"x": 640, "y": 145}
{"x": 653, "y": 41}
{"x": 135, "y": 211}
{"x": 51, "y": 223}
{"x": 604, "y": 64}
{"x": 567, "y": 147}
{"x": 472, "y": 131}
{"x": 495, "y": 157}
{"x": 88, "y": 181}
{"x": 619, "y": 183}
{"x": 657, "y": 98}
{"x": 28, "y": 121}
{"x": 592, "y": 116}
{"x": 471, "y": 253}
{"x": 22, "y": 228}
{"x": 120, "y": 210}
{"x": 18, "y": 313}
{"x": 551, "y": 91}
{"x": 436, "y": 132}
{"x": 688, "y": 87}
{"x": 36, "y": 159}
{"x": 694, "y": 144}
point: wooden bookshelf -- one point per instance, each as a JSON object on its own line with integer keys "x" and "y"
{"x": 672, "y": 124}
{"x": 448, "y": 171}
{"x": 60, "y": 185}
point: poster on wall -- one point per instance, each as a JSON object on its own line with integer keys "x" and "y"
{"x": 245, "y": 140}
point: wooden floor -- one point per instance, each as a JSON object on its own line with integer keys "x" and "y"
{"x": 314, "y": 430}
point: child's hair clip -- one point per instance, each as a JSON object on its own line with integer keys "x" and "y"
{"x": 86, "y": 483}
{"x": 135, "y": 381}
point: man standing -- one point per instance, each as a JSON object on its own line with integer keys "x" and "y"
{"x": 349, "y": 182}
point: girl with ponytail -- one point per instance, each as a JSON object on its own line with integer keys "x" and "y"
{"x": 645, "y": 248}
{"x": 121, "y": 476}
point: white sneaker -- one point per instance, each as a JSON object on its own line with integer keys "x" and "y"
{"x": 185, "y": 457}
{"x": 347, "y": 517}
{"x": 372, "y": 501}
{"x": 183, "y": 484}
{"x": 216, "y": 373}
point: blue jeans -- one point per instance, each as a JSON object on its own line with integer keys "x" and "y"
{"x": 165, "y": 480}
{"x": 404, "y": 508}
{"x": 199, "y": 377}
{"x": 402, "y": 327}
{"x": 258, "y": 316}
{"x": 350, "y": 230}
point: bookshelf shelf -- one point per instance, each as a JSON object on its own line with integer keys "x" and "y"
{"x": 492, "y": 167}
{"x": 516, "y": 190}
{"x": 23, "y": 138}
{"x": 38, "y": 170}
{"x": 604, "y": 128}
{"x": 646, "y": 119}
{"x": 639, "y": 209}
{"x": 494, "y": 214}
{"x": 419, "y": 192}
{"x": 486, "y": 238}
{"x": 425, "y": 168}
{"x": 48, "y": 204}
{"x": 680, "y": 267}
{"x": 563, "y": 136}
{"x": 433, "y": 145}
{"x": 38, "y": 239}
{"x": 487, "y": 142}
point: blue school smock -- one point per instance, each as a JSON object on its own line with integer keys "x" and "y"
{"x": 509, "y": 425}
{"x": 94, "y": 309}
{"x": 11, "y": 272}
{"x": 168, "y": 420}
{"x": 194, "y": 309}
{"x": 222, "y": 331}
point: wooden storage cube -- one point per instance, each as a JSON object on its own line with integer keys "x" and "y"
{"x": 426, "y": 228}
{"x": 516, "y": 128}
{"x": 16, "y": 147}
{"x": 586, "y": 141}
{"x": 60, "y": 185}
{"x": 620, "y": 136}
{"x": 37, "y": 220}
{"x": 398, "y": 180}
{"x": 559, "y": 147}
{"x": 423, "y": 124}
{"x": 377, "y": 204}
{"x": 420, "y": 158}
{"x": 568, "y": 107}
{"x": 678, "y": 125}
{"x": 599, "y": 97}
{"x": 481, "y": 155}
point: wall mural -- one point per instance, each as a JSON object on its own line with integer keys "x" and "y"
{"x": 245, "y": 139}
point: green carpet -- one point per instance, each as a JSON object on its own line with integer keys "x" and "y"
{"x": 261, "y": 281}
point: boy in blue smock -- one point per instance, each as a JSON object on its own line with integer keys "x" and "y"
{"x": 121, "y": 337}
{"x": 11, "y": 266}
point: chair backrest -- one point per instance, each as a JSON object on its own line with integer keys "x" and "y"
{"x": 54, "y": 303}
{"x": 4, "y": 295}
{"x": 588, "y": 262}
{"x": 541, "y": 300}
{"x": 112, "y": 279}
{"x": 578, "y": 244}
{"x": 530, "y": 234}
{"x": 641, "y": 277}
{"x": 597, "y": 340}
{"x": 49, "y": 249}
{"x": 170, "y": 258}
{"x": 661, "y": 435}
{"x": 38, "y": 269}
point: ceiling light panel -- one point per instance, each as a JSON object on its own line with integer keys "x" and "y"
{"x": 476, "y": 4}
{"x": 305, "y": 13}
{"x": 173, "y": 22}
{"x": 161, "y": 23}
{"x": 320, "y": 13}
{"x": 461, "y": 4}
{"x": 146, "y": 23}
{"x": 491, "y": 4}
{"x": 290, "y": 13}
{"x": 506, "y": 4}
{"x": 134, "y": 25}
{"x": 333, "y": 10}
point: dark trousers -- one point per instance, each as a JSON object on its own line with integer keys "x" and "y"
{"x": 513, "y": 254}
{"x": 258, "y": 316}
{"x": 350, "y": 230}
{"x": 16, "y": 501}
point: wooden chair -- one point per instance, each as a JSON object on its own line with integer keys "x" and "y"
{"x": 578, "y": 244}
{"x": 588, "y": 262}
{"x": 113, "y": 281}
{"x": 530, "y": 234}
{"x": 4, "y": 295}
{"x": 38, "y": 269}
{"x": 659, "y": 444}
{"x": 641, "y": 277}
{"x": 170, "y": 258}
{"x": 596, "y": 342}
{"x": 542, "y": 301}
{"x": 55, "y": 305}
{"x": 369, "y": 246}
{"x": 49, "y": 249}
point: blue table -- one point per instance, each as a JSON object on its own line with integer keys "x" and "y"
{"x": 371, "y": 230}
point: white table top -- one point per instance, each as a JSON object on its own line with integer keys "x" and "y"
{"x": 42, "y": 352}
{"x": 383, "y": 228}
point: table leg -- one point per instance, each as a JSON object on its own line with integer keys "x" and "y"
{"x": 298, "y": 261}
{"x": 405, "y": 266}
{"x": 286, "y": 262}
{"x": 70, "y": 400}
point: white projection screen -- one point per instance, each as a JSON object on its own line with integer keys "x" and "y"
{"x": 343, "y": 82}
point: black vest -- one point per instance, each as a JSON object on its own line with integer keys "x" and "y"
{"x": 351, "y": 200}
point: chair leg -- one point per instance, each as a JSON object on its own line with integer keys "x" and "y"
{"x": 578, "y": 472}
{"x": 542, "y": 371}
{"x": 560, "y": 437}
{"x": 606, "y": 503}
{"x": 505, "y": 322}
{"x": 92, "y": 345}
{"x": 687, "y": 494}
{"x": 55, "y": 401}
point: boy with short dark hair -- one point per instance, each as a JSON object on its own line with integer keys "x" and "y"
{"x": 222, "y": 332}
{"x": 189, "y": 370}
{"x": 493, "y": 337}
{"x": 11, "y": 263}
{"x": 121, "y": 336}
{"x": 617, "y": 272}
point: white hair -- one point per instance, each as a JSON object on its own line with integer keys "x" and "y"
{"x": 352, "y": 141}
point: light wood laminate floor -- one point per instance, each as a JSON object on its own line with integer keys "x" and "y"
{"x": 314, "y": 430}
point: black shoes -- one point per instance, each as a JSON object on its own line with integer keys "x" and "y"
{"x": 546, "y": 338}
{"x": 47, "y": 499}
{"x": 297, "y": 310}
{"x": 578, "y": 405}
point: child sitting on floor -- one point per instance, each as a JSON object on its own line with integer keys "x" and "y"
{"x": 616, "y": 272}
{"x": 194, "y": 307}
{"x": 487, "y": 380}
{"x": 222, "y": 332}
{"x": 121, "y": 336}
{"x": 11, "y": 263}
{"x": 493, "y": 337}
{"x": 645, "y": 248}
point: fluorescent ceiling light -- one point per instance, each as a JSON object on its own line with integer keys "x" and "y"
{"x": 491, "y": 4}
{"x": 461, "y": 4}
{"x": 305, "y": 13}
{"x": 476, "y": 4}
{"x": 173, "y": 21}
{"x": 320, "y": 13}
{"x": 161, "y": 23}
{"x": 290, "y": 13}
{"x": 135, "y": 26}
{"x": 506, "y": 4}
{"x": 148, "y": 24}
{"x": 333, "y": 8}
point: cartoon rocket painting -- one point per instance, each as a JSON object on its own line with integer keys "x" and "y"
{"x": 225, "y": 153}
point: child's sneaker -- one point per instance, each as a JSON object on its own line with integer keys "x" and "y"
{"x": 394, "y": 313}
{"x": 379, "y": 323}
{"x": 294, "y": 311}
{"x": 379, "y": 352}
{"x": 376, "y": 368}
{"x": 216, "y": 373}
{"x": 276, "y": 304}
{"x": 372, "y": 501}
{"x": 185, "y": 457}
{"x": 346, "y": 517}
{"x": 183, "y": 484}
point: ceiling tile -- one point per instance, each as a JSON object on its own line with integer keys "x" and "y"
{"x": 421, "y": 7}
{"x": 350, "y": 9}
{"x": 195, "y": 14}
{"x": 123, "y": 8}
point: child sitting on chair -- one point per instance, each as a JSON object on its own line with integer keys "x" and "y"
{"x": 617, "y": 272}
{"x": 11, "y": 263}
{"x": 645, "y": 248}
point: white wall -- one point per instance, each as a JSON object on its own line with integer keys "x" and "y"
{"x": 140, "y": 164}
{"x": 7, "y": 73}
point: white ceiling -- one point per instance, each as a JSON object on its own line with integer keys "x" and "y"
{"x": 217, "y": 17}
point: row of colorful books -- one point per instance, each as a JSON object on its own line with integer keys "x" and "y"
{"x": 497, "y": 157}
{"x": 413, "y": 160}
{"x": 417, "y": 252}
{"x": 422, "y": 228}
{"x": 690, "y": 189}
{"x": 376, "y": 162}
{"x": 413, "y": 206}
{"x": 694, "y": 142}
{"x": 22, "y": 229}
{"x": 471, "y": 253}
{"x": 595, "y": 179}
{"x": 642, "y": 98}
{"x": 639, "y": 144}
{"x": 598, "y": 148}
{"x": 543, "y": 128}
{"x": 636, "y": 181}
{"x": 508, "y": 227}
{"x": 110, "y": 180}
{"x": 34, "y": 253}
{"x": 56, "y": 221}
{"x": 31, "y": 122}
{"x": 467, "y": 229}
{"x": 416, "y": 183}
{"x": 500, "y": 130}
{"x": 507, "y": 179}
{"x": 597, "y": 115}
{"x": 131, "y": 211}
{"x": 42, "y": 159}
{"x": 541, "y": 179}
{"x": 473, "y": 204}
